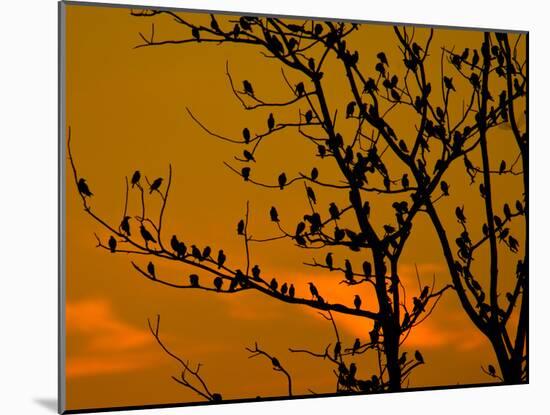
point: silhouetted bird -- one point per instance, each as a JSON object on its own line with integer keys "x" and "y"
{"x": 418, "y": 357}
{"x": 274, "y": 284}
{"x": 218, "y": 282}
{"x": 271, "y": 122}
{"x": 308, "y": 116}
{"x": 403, "y": 146}
{"x": 507, "y": 211}
{"x": 112, "y": 244}
{"x": 389, "y": 229}
{"x": 275, "y": 362}
{"x": 348, "y": 273}
{"x": 243, "y": 22}
{"x": 248, "y": 88}
{"x": 282, "y": 180}
{"x": 337, "y": 349}
{"x": 459, "y": 212}
{"x": 214, "y": 24}
{"x": 83, "y": 188}
{"x": 352, "y": 370}
{"x": 318, "y": 29}
{"x": 425, "y": 292}
{"x": 284, "y": 288}
{"x": 313, "y": 290}
{"x": 339, "y": 234}
{"x": 502, "y": 167}
{"x": 155, "y": 185}
{"x": 513, "y": 243}
{"x": 246, "y": 135}
{"x": 196, "y": 252}
{"x": 492, "y": 370}
{"x": 196, "y": 33}
{"x": 367, "y": 268}
{"x": 125, "y": 225}
{"x": 403, "y": 359}
{"x": 194, "y": 280}
{"x": 151, "y": 270}
{"x": 444, "y": 188}
{"x": 256, "y": 272}
{"x": 449, "y": 83}
{"x": 475, "y": 58}
{"x": 356, "y": 346}
{"x": 328, "y": 261}
{"x": 216, "y": 397}
{"x": 248, "y": 156}
{"x": 357, "y": 302}
{"x": 405, "y": 181}
{"x": 334, "y": 211}
{"x": 291, "y": 291}
{"x": 311, "y": 194}
{"x": 314, "y": 173}
{"x": 135, "y": 178}
{"x": 146, "y": 235}
{"x": 406, "y": 321}
{"x": 311, "y": 64}
{"x": 300, "y": 90}
{"x": 240, "y": 227}
{"x": 350, "y": 109}
{"x": 221, "y": 258}
{"x": 245, "y": 172}
{"x": 175, "y": 244}
{"x": 206, "y": 253}
{"x": 382, "y": 58}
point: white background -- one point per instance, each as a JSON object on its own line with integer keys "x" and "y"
{"x": 28, "y": 202}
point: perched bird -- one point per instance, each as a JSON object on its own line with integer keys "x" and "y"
{"x": 275, "y": 362}
{"x": 274, "y": 284}
{"x": 425, "y": 292}
{"x": 475, "y": 58}
{"x": 214, "y": 24}
{"x": 83, "y": 188}
{"x": 196, "y": 252}
{"x": 284, "y": 288}
{"x": 405, "y": 181}
{"x": 206, "y": 253}
{"x": 218, "y": 282}
{"x": 357, "y": 302}
{"x": 449, "y": 83}
{"x": 125, "y": 225}
{"x": 328, "y": 261}
{"x": 256, "y": 272}
{"x": 221, "y": 258}
{"x": 135, "y": 178}
{"x": 348, "y": 271}
{"x": 146, "y": 235}
{"x": 196, "y": 34}
{"x": 337, "y": 349}
{"x": 313, "y": 290}
{"x": 334, "y": 211}
{"x": 314, "y": 173}
{"x": 352, "y": 370}
{"x": 389, "y": 229}
{"x": 194, "y": 280}
{"x": 311, "y": 195}
{"x": 356, "y": 346}
{"x": 291, "y": 291}
{"x": 248, "y": 88}
{"x": 507, "y": 211}
{"x": 459, "y": 212}
{"x": 175, "y": 244}
{"x": 248, "y": 156}
{"x": 308, "y": 116}
{"x": 300, "y": 89}
{"x": 245, "y": 172}
{"x": 350, "y": 109}
{"x": 112, "y": 244}
{"x": 403, "y": 359}
{"x": 246, "y": 135}
{"x": 444, "y": 188}
{"x": 273, "y": 214}
{"x": 367, "y": 269}
{"x": 151, "y": 270}
{"x": 282, "y": 180}
{"x": 271, "y": 122}
{"x": 240, "y": 227}
{"x": 382, "y": 58}
{"x": 502, "y": 167}
{"x": 513, "y": 243}
{"x": 155, "y": 185}
{"x": 492, "y": 370}
{"x": 418, "y": 357}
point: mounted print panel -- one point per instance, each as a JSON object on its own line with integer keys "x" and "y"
{"x": 265, "y": 207}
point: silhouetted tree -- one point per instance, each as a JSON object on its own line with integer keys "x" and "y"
{"x": 412, "y": 182}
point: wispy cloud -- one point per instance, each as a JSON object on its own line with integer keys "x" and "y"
{"x": 108, "y": 344}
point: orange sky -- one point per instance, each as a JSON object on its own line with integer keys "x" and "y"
{"x": 127, "y": 111}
